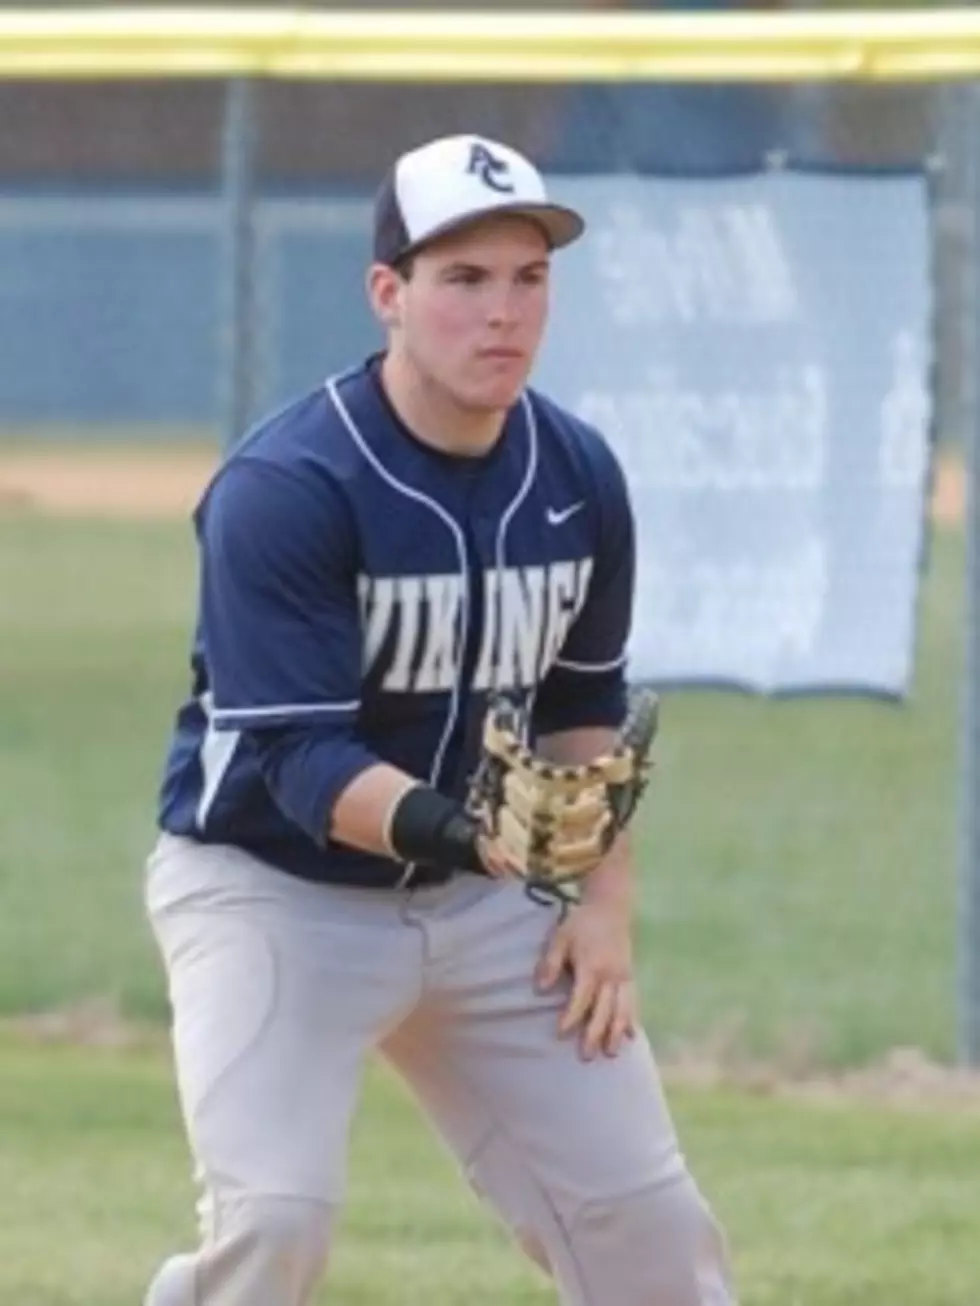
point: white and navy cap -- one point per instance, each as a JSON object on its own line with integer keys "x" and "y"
{"x": 455, "y": 180}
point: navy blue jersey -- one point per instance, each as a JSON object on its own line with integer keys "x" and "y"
{"x": 361, "y": 594}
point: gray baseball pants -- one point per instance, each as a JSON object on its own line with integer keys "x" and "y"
{"x": 280, "y": 990}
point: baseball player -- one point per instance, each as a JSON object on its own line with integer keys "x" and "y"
{"x": 380, "y": 562}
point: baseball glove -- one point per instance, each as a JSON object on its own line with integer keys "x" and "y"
{"x": 557, "y": 822}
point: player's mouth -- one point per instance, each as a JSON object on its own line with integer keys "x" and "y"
{"x": 500, "y": 354}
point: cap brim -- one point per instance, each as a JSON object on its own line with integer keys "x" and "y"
{"x": 561, "y": 225}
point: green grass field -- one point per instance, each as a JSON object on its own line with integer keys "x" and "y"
{"x": 798, "y": 906}
{"x": 798, "y": 857}
{"x": 826, "y": 1205}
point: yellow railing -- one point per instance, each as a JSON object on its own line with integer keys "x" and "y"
{"x": 880, "y": 45}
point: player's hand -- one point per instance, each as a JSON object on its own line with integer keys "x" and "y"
{"x": 594, "y": 946}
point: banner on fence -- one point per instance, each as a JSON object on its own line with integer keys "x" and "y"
{"x": 758, "y": 351}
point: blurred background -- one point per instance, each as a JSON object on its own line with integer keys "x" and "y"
{"x": 113, "y": 312}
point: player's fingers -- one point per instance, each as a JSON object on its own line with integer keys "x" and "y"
{"x": 553, "y": 961}
{"x": 580, "y": 1002}
{"x": 497, "y": 861}
{"x": 601, "y": 1018}
{"x": 490, "y": 856}
{"x": 625, "y": 1019}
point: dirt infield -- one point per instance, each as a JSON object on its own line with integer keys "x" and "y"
{"x": 948, "y": 495}
{"x": 105, "y": 481}
{"x": 153, "y": 482}
{"x": 904, "y": 1077}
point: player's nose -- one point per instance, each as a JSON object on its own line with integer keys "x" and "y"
{"x": 503, "y": 307}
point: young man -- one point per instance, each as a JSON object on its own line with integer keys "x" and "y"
{"x": 375, "y": 561}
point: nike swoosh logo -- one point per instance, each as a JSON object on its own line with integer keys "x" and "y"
{"x": 556, "y": 516}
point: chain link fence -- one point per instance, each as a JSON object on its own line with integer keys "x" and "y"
{"x": 118, "y": 202}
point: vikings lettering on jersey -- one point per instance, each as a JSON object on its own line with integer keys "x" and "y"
{"x": 527, "y": 612}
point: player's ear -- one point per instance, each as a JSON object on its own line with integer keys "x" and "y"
{"x": 384, "y": 286}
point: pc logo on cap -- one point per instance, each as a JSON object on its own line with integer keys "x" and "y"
{"x": 454, "y": 181}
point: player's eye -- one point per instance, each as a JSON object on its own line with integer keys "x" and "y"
{"x": 466, "y": 276}
{"x": 534, "y": 276}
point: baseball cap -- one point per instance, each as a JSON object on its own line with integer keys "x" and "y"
{"x": 449, "y": 183}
